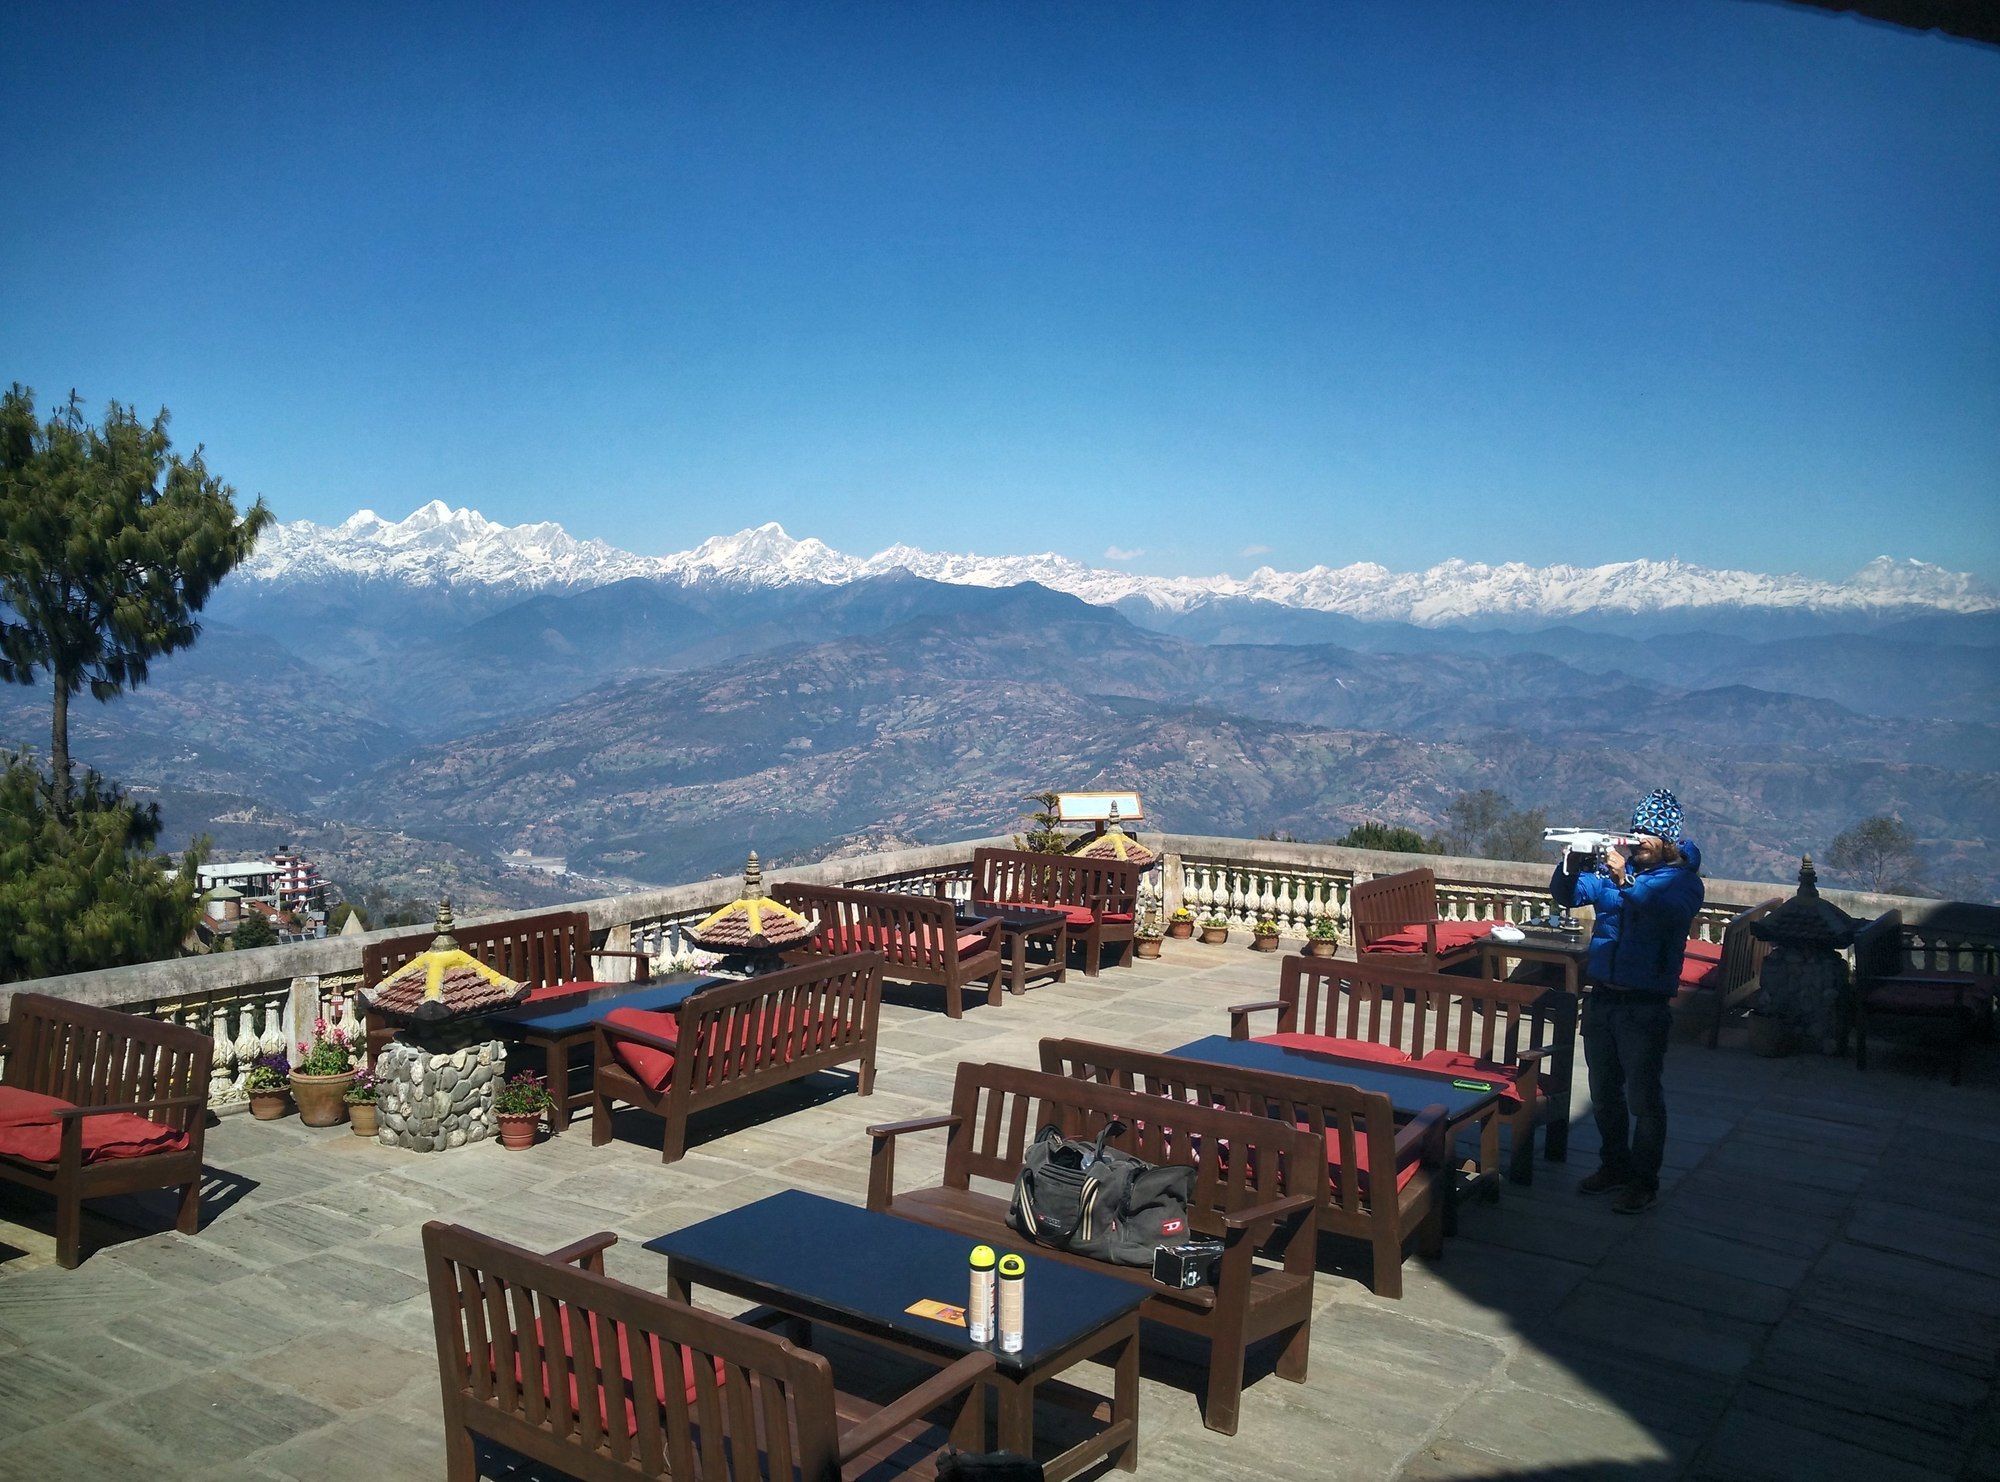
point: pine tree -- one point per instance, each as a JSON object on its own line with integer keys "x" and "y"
{"x": 109, "y": 545}
{"x": 87, "y": 892}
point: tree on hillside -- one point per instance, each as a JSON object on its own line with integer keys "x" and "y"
{"x": 254, "y": 930}
{"x": 87, "y": 892}
{"x": 1486, "y": 825}
{"x": 1392, "y": 837}
{"x": 112, "y": 544}
{"x": 1045, "y": 835}
{"x": 1880, "y": 854}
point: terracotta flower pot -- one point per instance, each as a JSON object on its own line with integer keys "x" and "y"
{"x": 1147, "y": 947}
{"x": 321, "y": 1098}
{"x": 1180, "y": 931}
{"x": 268, "y": 1106}
{"x": 1264, "y": 944}
{"x": 1322, "y": 947}
{"x": 1215, "y": 936}
{"x": 518, "y": 1129}
{"x": 366, "y": 1117}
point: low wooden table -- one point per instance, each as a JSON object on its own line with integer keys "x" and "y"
{"x": 859, "y": 1272}
{"x": 560, "y": 1025}
{"x": 1019, "y": 925}
{"x": 1567, "y": 950}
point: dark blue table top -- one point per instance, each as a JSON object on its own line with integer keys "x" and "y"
{"x": 978, "y": 913}
{"x": 809, "y": 1253}
{"x": 575, "y": 1011}
{"x": 1409, "y": 1090}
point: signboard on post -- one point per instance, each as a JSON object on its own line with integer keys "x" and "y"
{"x": 1096, "y": 807}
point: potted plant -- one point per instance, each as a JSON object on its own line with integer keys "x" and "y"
{"x": 1215, "y": 930}
{"x": 1146, "y": 938}
{"x": 268, "y": 1085}
{"x": 1264, "y": 935}
{"x": 520, "y": 1104}
{"x": 320, "y": 1078}
{"x": 1323, "y": 939}
{"x": 361, "y": 1108}
{"x": 1180, "y": 925}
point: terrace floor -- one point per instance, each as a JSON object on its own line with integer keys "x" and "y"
{"x": 1817, "y": 1293}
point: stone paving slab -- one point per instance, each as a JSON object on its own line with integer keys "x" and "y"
{"x": 1817, "y": 1294}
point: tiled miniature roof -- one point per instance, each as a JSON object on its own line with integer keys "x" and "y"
{"x": 466, "y": 987}
{"x": 1115, "y": 843}
{"x": 754, "y": 920}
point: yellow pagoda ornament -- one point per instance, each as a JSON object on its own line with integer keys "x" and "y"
{"x": 1115, "y": 843}
{"x": 752, "y": 930}
{"x": 443, "y": 982}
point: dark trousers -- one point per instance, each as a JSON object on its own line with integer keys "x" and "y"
{"x": 1625, "y": 1046}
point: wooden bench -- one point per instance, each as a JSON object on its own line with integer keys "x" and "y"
{"x": 1397, "y": 916}
{"x": 1100, "y": 896}
{"x": 94, "y": 1103}
{"x": 1257, "y": 1187}
{"x": 1358, "y": 1128}
{"x": 659, "y": 1389}
{"x": 1886, "y": 985}
{"x": 734, "y": 1039}
{"x": 1471, "y": 1026}
{"x": 917, "y": 936}
{"x": 1725, "y": 972}
{"x": 551, "y": 951}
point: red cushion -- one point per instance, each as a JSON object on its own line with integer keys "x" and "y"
{"x": 1471, "y": 1067}
{"x": 1110, "y": 918}
{"x": 1698, "y": 974}
{"x": 650, "y": 1067}
{"x": 563, "y": 990}
{"x": 1707, "y": 953}
{"x": 972, "y": 944}
{"x": 1408, "y": 1161}
{"x": 1349, "y": 1049}
{"x": 1076, "y": 915}
{"x": 29, "y": 1129}
{"x": 1905, "y": 997}
{"x": 1452, "y": 936}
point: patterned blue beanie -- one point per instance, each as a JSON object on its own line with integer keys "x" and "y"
{"x": 1659, "y": 815}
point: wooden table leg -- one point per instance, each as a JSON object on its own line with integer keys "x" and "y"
{"x": 1017, "y": 1415}
{"x": 555, "y": 1070}
{"x": 1125, "y": 1398}
{"x": 1017, "y": 962}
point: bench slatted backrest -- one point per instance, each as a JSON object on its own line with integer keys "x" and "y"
{"x": 1026, "y": 877}
{"x": 550, "y": 948}
{"x": 1878, "y": 949}
{"x": 1240, "y": 1160}
{"x": 821, "y": 1010}
{"x": 1355, "y": 1000}
{"x": 908, "y": 930}
{"x": 1339, "y": 1116}
{"x": 759, "y": 1407}
{"x": 1389, "y": 903}
{"x": 99, "y": 1057}
{"x": 1743, "y": 952}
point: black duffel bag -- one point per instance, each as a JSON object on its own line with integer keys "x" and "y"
{"x": 1098, "y": 1201}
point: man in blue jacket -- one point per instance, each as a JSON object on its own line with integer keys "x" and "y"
{"x": 1645, "y": 902}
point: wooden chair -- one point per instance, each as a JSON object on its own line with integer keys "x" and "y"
{"x": 552, "y": 951}
{"x": 1100, "y": 896}
{"x": 1257, "y": 1187}
{"x": 1468, "y": 1026}
{"x": 1886, "y": 986}
{"x": 1725, "y": 972}
{"x": 917, "y": 935}
{"x": 551, "y": 1358}
{"x": 1397, "y": 916}
{"x": 735, "y": 1039}
{"x": 1358, "y": 1128}
{"x": 94, "y": 1103}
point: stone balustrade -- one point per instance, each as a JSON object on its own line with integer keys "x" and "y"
{"x": 265, "y": 1000}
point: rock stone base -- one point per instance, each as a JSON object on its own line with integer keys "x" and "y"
{"x": 431, "y": 1100}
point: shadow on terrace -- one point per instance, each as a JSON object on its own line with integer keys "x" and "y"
{"x": 1817, "y": 1292}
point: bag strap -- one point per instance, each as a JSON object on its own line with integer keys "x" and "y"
{"x": 1111, "y": 1129}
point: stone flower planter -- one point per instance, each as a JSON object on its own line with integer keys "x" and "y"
{"x": 268, "y": 1106}
{"x": 1146, "y": 947}
{"x": 1214, "y": 936}
{"x": 322, "y": 1098}
{"x": 365, "y": 1117}
{"x": 518, "y": 1129}
{"x": 1180, "y": 931}
{"x": 1265, "y": 944}
{"x": 1322, "y": 947}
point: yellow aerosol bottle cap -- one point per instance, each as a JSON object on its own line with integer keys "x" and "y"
{"x": 1012, "y": 1265}
{"x": 982, "y": 1256}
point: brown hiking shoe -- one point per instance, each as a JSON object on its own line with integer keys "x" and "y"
{"x": 1634, "y": 1199}
{"x": 1603, "y": 1182}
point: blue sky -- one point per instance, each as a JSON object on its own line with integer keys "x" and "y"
{"x": 1371, "y": 281}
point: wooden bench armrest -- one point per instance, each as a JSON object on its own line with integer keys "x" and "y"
{"x": 1254, "y": 1215}
{"x": 966, "y": 1376}
{"x": 1426, "y": 1126}
{"x": 166, "y": 1104}
{"x": 587, "y": 1252}
{"x": 642, "y": 973}
{"x": 916, "y": 1124}
{"x": 882, "y": 1154}
{"x": 1239, "y": 1015}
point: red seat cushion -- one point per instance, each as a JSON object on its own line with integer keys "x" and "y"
{"x": 1076, "y": 915}
{"x": 1452, "y": 936}
{"x": 1110, "y": 918}
{"x": 650, "y": 1067}
{"x": 972, "y": 943}
{"x": 1470, "y": 1067}
{"x": 1901, "y": 996}
{"x": 1349, "y": 1049}
{"x": 30, "y": 1130}
{"x": 1408, "y": 1161}
{"x": 895, "y": 945}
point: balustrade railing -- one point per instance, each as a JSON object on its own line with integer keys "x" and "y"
{"x": 263, "y": 1001}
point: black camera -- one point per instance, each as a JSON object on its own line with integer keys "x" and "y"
{"x": 1192, "y": 1264}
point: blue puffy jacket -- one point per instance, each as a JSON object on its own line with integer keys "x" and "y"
{"x": 1641, "y": 930}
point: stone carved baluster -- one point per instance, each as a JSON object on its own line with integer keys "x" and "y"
{"x": 350, "y": 1022}
{"x": 221, "y": 1083}
{"x": 1238, "y": 905}
{"x": 1266, "y": 905}
{"x": 1202, "y": 896}
{"x": 275, "y": 1041}
{"x": 247, "y": 1048}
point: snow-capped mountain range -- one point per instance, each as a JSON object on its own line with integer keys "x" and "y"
{"x": 438, "y": 546}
